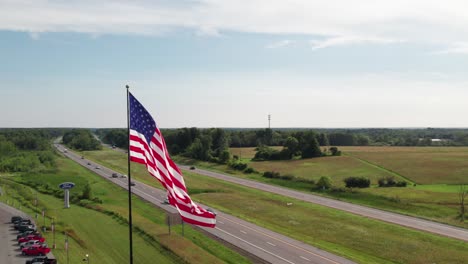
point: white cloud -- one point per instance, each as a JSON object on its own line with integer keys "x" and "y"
{"x": 34, "y": 35}
{"x": 416, "y": 20}
{"x": 279, "y": 44}
{"x": 349, "y": 40}
{"x": 455, "y": 48}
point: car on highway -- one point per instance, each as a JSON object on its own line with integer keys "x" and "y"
{"x": 211, "y": 211}
{"x": 35, "y": 251}
{"x": 89, "y": 163}
{"x": 97, "y": 167}
{"x": 132, "y": 184}
{"x": 115, "y": 175}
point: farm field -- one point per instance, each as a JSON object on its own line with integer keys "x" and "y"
{"x": 101, "y": 231}
{"x": 358, "y": 238}
{"x": 422, "y": 165}
{"x": 437, "y": 201}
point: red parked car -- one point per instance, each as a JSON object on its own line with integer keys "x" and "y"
{"x": 35, "y": 250}
{"x": 31, "y": 237}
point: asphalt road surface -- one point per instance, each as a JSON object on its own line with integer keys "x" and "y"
{"x": 394, "y": 218}
{"x": 266, "y": 246}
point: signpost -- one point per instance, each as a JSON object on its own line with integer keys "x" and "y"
{"x": 66, "y": 186}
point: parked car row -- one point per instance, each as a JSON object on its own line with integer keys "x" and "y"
{"x": 30, "y": 241}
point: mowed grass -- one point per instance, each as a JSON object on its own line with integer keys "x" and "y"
{"x": 436, "y": 167}
{"x": 361, "y": 239}
{"x": 422, "y": 165}
{"x": 93, "y": 231}
{"x": 336, "y": 168}
{"x": 358, "y": 238}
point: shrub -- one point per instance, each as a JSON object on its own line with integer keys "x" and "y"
{"x": 390, "y": 182}
{"x": 271, "y": 174}
{"x": 238, "y": 165}
{"x": 335, "y": 152}
{"x": 287, "y": 177}
{"x": 358, "y": 182}
{"x": 401, "y": 184}
{"x": 249, "y": 170}
{"x": 324, "y": 183}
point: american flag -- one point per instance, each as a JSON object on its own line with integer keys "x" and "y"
{"x": 147, "y": 147}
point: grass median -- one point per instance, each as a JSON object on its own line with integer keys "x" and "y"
{"x": 358, "y": 238}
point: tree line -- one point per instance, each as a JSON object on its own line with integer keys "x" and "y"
{"x": 213, "y": 143}
{"x": 81, "y": 139}
{"x": 26, "y": 150}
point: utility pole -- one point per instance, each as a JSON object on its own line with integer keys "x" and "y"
{"x": 269, "y": 118}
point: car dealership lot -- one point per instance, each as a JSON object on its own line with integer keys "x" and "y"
{"x": 9, "y": 249}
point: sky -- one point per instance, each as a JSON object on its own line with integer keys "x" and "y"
{"x": 215, "y": 63}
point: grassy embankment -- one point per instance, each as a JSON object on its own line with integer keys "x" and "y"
{"x": 102, "y": 232}
{"x": 434, "y": 171}
{"x": 358, "y": 238}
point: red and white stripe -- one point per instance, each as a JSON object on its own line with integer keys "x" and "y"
{"x": 159, "y": 164}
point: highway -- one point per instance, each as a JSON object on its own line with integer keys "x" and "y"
{"x": 262, "y": 245}
{"x": 394, "y": 218}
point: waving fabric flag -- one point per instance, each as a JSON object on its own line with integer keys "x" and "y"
{"x": 147, "y": 147}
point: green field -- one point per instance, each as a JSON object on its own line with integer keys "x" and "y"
{"x": 361, "y": 239}
{"x": 437, "y": 202}
{"x": 422, "y": 165}
{"x": 101, "y": 230}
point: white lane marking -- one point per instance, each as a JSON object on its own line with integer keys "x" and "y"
{"x": 271, "y": 244}
{"x": 280, "y": 240}
{"x": 304, "y": 258}
{"x": 242, "y": 231}
{"x": 262, "y": 249}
